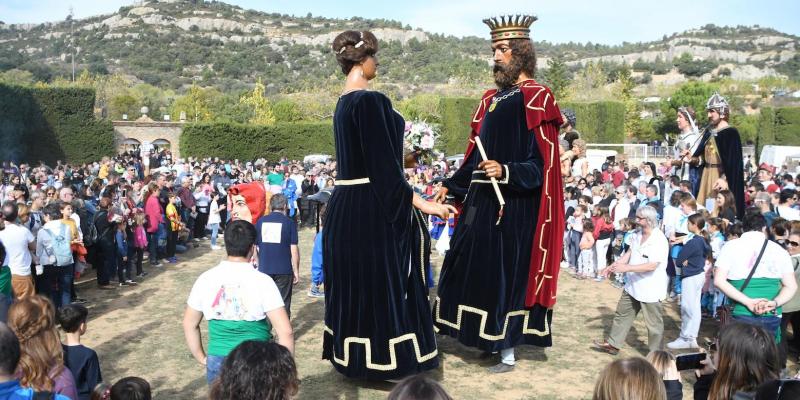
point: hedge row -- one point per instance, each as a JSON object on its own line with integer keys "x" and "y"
{"x": 601, "y": 122}
{"x": 779, "y": 126}
{"x": 49, "y": 124}
{"x": 245, "y": 141}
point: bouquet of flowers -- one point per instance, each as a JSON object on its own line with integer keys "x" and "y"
{"x": 420, "y": 138}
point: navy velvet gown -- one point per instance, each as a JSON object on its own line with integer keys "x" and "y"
{"x": 481, "y": 294}
{"x": 377, "y": 316}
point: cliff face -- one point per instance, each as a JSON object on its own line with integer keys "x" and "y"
{"x": 171, "y": 41}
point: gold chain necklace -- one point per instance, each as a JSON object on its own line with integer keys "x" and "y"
{"x": 496, "y": 99}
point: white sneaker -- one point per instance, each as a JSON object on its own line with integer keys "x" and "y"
{"x": 682, "y": 344}
{"x": 215, "y": 247}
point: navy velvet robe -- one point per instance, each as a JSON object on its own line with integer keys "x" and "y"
{"x": 377, "y": 316}
{"x": 482, "y": 287}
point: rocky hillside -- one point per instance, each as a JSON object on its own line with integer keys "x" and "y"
{"x": 175, "y": 43}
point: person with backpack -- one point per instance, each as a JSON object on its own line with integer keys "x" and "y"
{"x": 54, "y": 255}
{"x": 107, "y": 256}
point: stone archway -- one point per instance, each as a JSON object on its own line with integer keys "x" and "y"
{"x": 162, "y": 144}
{"x": 129, "y": 144}
{"x": 160, "y": 134}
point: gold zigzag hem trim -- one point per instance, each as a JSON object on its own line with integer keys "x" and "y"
{"x": 484, "y": 316}
{"x": 392, "y": 353}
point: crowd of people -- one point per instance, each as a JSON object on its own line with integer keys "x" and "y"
{"x": 724, "y": 250}
{"x": 702, "y": 229}
{"x": 120, "y": 219}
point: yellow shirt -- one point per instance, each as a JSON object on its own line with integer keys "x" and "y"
{"x": 103, "y": 174}
{"x": 174, "y": 217}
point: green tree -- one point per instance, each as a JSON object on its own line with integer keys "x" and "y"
{"x": 558, "y": 77}
{"x": 262, "y": 109}
{"x": 121, "y": 104}
{"x": 196, "y": 104}
{"x": 624, "y": 90}
{"x": 425, "y": 107}
{"x": 227, "y": 108}
{"x": 286, "y": 111}
{"x": 694, "y": 94}
{"x": 589, "y": 84}
{"x": 17, "y": 77}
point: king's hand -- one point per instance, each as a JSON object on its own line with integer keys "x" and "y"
{"x": 493, "y": 168}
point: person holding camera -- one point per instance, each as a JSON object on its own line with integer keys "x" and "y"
{"x": 743, "y": 357}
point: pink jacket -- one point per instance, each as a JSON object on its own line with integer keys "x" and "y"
{"x": 153, "y": 213}
{"x": 139, "y": 238}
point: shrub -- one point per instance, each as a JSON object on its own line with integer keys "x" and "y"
{"x": 247, "y": 141}
{"x": 778, "y": 126}
{"x": 50, "y": 124}
{"x": 601, "y": 122}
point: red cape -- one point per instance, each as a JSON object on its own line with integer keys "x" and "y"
{"x": 543, "y": 118}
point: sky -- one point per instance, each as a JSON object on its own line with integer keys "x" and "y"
{"x": 596, "y": 21}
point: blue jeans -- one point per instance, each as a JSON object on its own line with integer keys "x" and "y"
{"x": 214, "y": 232}
{"x": 152, "y": 246}
{"x": 213, "y": 366}
{"x": 66, "y": 275}
{"x": 771, "y": 324}
{"x": 573, "y": 246}
{"x": 5, "y": 303}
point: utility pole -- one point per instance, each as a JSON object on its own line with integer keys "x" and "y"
{"x": 71, "y": 41}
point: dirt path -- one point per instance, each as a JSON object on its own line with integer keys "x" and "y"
{"x": 137, "y": 331}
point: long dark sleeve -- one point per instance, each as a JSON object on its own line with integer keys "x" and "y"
{"x": 691, "y": 248}
{"x": 382, "y": 156}
{"x": 702, "y": 386}
{"x": 458, "y": 184}
{"x": 674, "y": 389}
{"x": 526, "y": 175}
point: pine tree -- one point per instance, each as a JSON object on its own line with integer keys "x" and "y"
{"x": 624, "y": 89}
{"x": 558, "y": 77}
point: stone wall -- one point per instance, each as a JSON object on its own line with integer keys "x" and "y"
{"x": 148, "y": 131}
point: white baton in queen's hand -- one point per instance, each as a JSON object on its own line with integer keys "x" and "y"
{"x": 496, "y": 187}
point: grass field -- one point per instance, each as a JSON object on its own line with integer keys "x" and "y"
{"x": 137, "y": 331}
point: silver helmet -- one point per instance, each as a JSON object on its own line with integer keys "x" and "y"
{"x": 718, "y": 103}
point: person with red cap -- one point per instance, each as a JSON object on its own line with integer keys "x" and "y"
{"x": 766, "y": 174}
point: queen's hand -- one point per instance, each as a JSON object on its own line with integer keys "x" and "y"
{"x": 442, "y": 211}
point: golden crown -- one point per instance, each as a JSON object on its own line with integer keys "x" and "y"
{"x": 510, "y": 26}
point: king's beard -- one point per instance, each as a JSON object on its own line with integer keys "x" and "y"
{"x": 506, "y": 75}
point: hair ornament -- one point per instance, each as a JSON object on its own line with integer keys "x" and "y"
{"x": 107, "y": 393}
{"x": 361, "y": 41}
